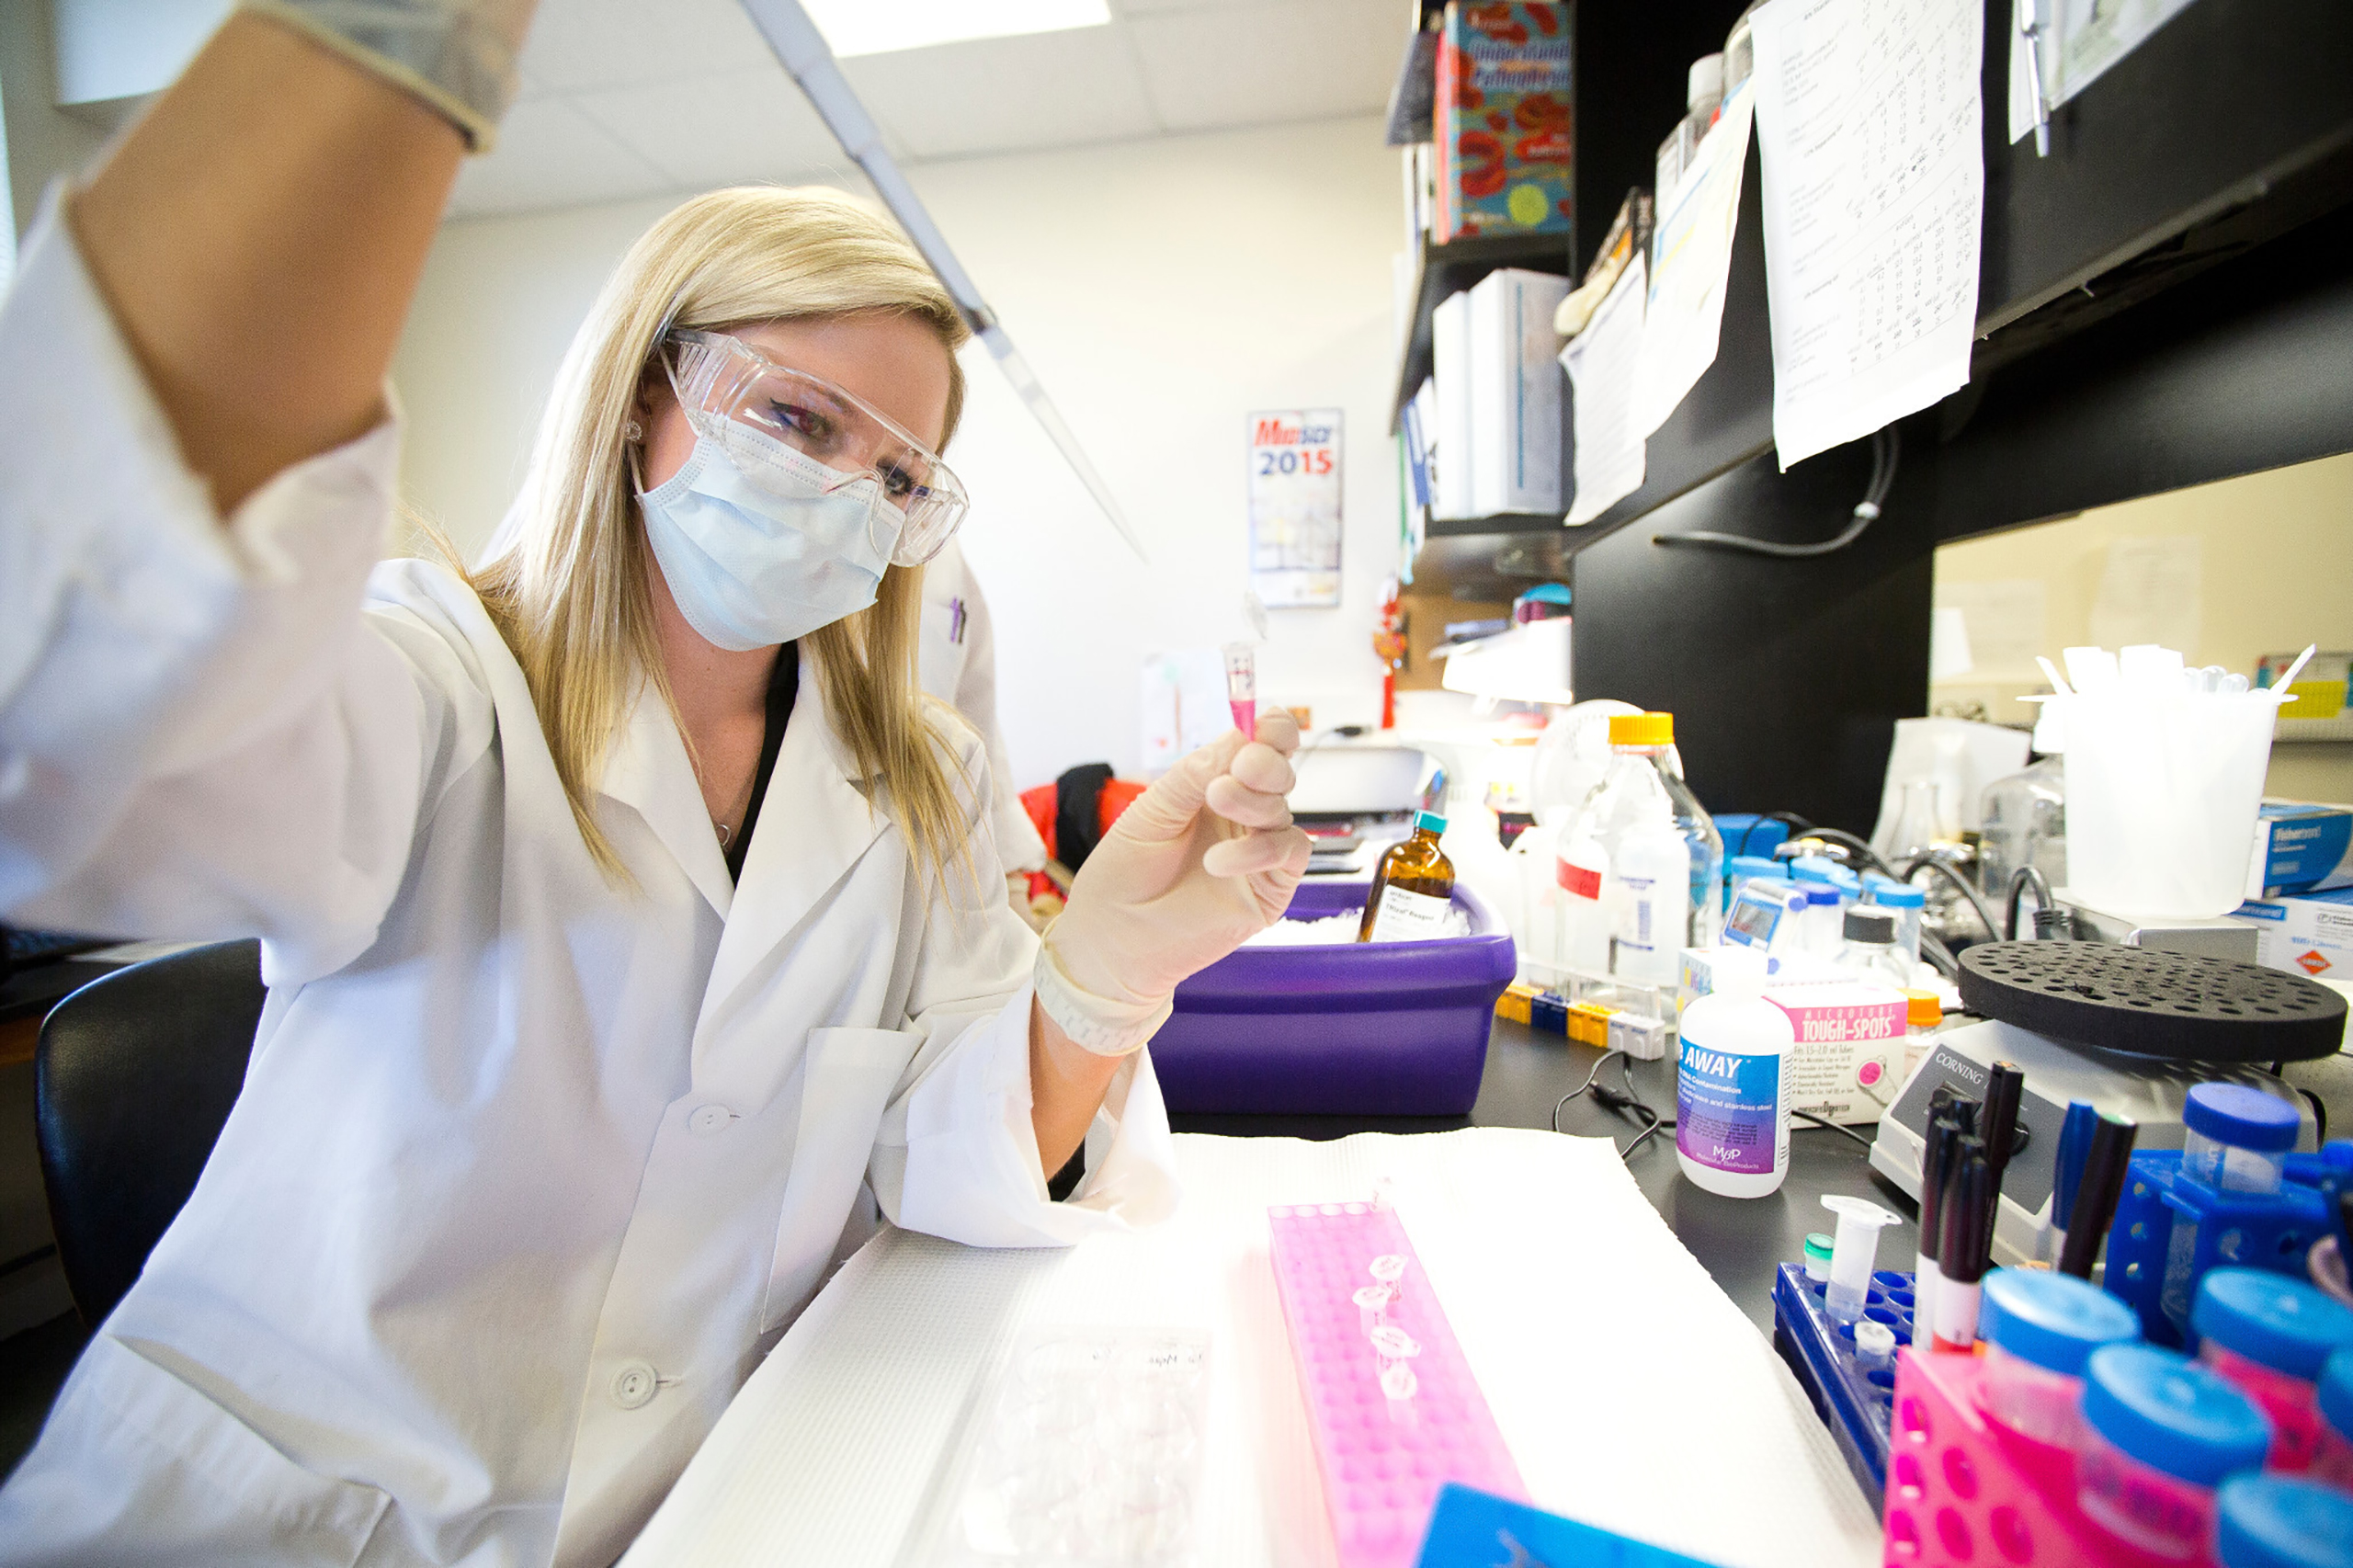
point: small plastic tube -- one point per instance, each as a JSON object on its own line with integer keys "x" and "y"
{"x": 1372, "y": 1306}
{"x": 1389, "y": 1269}
{"x": 1242, "y": 686}
{"x": 1817, "y": 1258}
{"x": 1393, "y": 1344}
{"x": 1853, "y": 1254}
{"x": 1399, "y": 1384}
{"x": 1874, "y": 1344}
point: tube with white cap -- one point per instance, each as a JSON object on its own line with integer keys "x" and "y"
{"x": 1853, "y": 1254}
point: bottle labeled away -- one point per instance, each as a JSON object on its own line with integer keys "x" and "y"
{"x": 1414, "y": 889}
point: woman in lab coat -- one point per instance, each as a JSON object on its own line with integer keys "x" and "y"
{"x": 555, "y": 1117}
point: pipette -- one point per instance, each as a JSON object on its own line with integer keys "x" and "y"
{"x": 1853, "y": 1254}
{"x": 1242, "y": 686}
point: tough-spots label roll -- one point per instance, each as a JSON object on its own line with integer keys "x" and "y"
{"x": 1728, "y": 1107}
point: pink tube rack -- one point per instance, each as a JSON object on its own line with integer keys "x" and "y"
{"x": 1383, "y": 1457}
{"x": 1961, "y": 1491}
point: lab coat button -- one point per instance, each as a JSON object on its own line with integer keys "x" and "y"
{"x": 633, "y": 1385}
{"x": 709, "y": 1119}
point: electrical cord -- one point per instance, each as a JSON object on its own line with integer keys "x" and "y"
{"x": 1625, "y": 1099}
{"x": 2023, "y": 880}
{"x": 1993, "y": 926}
{"x": 1884, "y": 449}
{"x": 1826, "y": 1121}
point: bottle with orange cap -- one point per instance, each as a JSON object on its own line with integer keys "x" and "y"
{"x": 1662, "y": 850}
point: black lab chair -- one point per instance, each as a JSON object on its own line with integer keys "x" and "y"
{"x": 134, "y": 1077}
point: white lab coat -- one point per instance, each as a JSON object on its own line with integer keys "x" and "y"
{"x": 530, "y": 1168}
{"x": 956, "y": 662}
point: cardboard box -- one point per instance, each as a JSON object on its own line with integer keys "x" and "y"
{"x": 2311, "y": 934}
{"x": 2300, "y": 848}
{"x": 1504, "y": 123}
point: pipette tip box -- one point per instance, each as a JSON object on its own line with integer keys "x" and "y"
{"x": 1382, "y": 1457}
{"x": 1856, "y": 1401}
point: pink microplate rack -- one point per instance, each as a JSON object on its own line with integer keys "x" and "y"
{"x": 1962, "y": 1493}
{"x": 1383, "y": 1457}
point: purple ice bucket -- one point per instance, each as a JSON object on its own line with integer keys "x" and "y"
{"x": 1397, "y": 1029}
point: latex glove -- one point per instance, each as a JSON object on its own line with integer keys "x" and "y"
{"x": 1205, "y": 858}
{"x": 457, "y": 56}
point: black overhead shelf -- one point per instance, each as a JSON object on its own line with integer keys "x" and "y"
{"x": 1450, "y": 268}
{"x": 2229, "y": 127}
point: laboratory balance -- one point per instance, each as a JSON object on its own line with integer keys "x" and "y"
{"x": 2129, "y": 1028}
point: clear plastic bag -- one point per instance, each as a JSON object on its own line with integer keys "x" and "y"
{"x": 1087, "y": 1454}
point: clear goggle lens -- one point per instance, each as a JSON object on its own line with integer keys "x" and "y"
{"x": 719, "y": 378}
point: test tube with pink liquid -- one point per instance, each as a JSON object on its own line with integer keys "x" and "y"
{"x": 1242, "y": 686}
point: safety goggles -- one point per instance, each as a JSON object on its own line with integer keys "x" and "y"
{"x": 729, "y": 388}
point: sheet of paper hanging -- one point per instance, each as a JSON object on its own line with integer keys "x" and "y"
{"x": 2081, "y": 39}
{"x": 1602, "y": 362}
{"x": 1868, "y": 121}
{"x": 1691, "y": 257}
{"x": 1632, "y": 1392}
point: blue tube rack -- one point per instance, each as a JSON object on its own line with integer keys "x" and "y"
{"x": 2272, "y": 1230}
{"x": 1856, "y": 1403}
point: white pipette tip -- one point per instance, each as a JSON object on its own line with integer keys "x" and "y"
{"x": 2285, "y": 685}
{"x": 2059, "y": 686}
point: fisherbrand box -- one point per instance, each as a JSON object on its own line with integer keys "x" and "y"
{"x": 1503, "y": 121}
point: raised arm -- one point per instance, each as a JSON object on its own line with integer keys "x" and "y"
{"x": 259, "y": 233}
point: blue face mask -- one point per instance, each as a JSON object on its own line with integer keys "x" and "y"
{"x": 756, "y": 551}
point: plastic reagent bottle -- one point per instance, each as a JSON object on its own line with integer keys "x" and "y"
{"x": 1653, "y": 874}
{"x": 2278, "y": 1521}
{"x": 1870, "y": 951}
{"x": 2235, "y": 1139}
{"x": 1731, "y": 1097}
{"x": 1640, "y": 785}
{"x": 2040, "y": 1328}
{"x": 1413, "y": 890}
{"x": 2271, "y": 1335}
{"x": 2332, "y": 1460}
{"x": 1907, "y": 903}
{"x": 2159, "y": 1433}
{"x": 1582, "y": 872}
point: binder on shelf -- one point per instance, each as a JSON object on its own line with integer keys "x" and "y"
{"x": 1450, "y": 375}
{"x": 1515, "y": 391}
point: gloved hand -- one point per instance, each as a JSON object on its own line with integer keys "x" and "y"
{"x": 457, "y": 56}
{"x": 1205, "y": 858}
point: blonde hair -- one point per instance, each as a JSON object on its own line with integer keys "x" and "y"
{"x": 569, "y": 591}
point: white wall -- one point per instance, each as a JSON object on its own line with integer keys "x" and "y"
{"x": 1162, "y": 290}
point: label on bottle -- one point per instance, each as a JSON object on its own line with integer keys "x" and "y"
{"x": 1582, "y": 881}
{"x": 1407, "y": 916}
{"x": 1728, "y": 1108}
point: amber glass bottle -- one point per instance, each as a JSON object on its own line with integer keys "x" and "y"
{"x": 1413, "y": 889}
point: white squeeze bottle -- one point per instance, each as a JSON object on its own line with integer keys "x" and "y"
{"x": 1654, "y": 878}
{"x": 1582, "y": 868}
{"x": 1732, "y": 1095}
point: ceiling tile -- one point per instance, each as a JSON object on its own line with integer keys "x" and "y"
{"x": 1055, "y": 89}
{"x": 598, "y": 43}
{"x": 720, "y": 128}
{"x": 1266, "y": 64}
{"x": 549, "y": 155}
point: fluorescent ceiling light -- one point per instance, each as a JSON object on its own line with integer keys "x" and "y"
{"x": 879, "y": 26}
